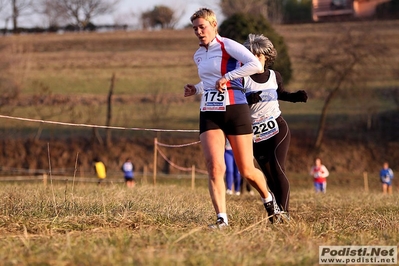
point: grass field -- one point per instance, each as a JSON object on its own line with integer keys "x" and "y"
{"x": 84, "y": 224}
{"x": 166, "y": 224}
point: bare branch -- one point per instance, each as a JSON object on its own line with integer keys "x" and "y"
{"x": 81, "y": 12}
{"x": 337, "y": 65}
{"x": 161, "y": 16}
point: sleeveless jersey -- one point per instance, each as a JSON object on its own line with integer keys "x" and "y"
{"x": 269, "y": 105}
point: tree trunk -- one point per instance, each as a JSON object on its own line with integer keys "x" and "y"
{"x": 39, "y": 131}
{"x": 5, "y": 26}
{"x": 323, "y": 117}
{"x": 109, "y": 111}
{"x": 96, "y": 135}
{"x": 14, "y": 16}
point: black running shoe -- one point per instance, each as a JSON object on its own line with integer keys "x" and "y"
{"x": 220, "y": 224}
{"x": 269, "y": 206}
{"x": 272, "y": 209}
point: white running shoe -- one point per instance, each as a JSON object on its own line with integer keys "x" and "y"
{"x": 220, "y": 224}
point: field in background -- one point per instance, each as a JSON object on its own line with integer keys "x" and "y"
{"x": 84, "y": 224}
{"x": 145, "y": 62}
{"x": 313, "y": 36}
{"x": 151, "y": 69}
{"x": 84, "y": 63}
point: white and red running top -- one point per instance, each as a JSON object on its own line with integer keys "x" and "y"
{"x": 228, "y": 58}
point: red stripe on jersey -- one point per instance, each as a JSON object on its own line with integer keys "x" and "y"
{"x": 223, "y": 69}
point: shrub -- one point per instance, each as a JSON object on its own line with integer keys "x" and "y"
{"x": 238, "y": 26}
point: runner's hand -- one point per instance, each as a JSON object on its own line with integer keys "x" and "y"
{"x": 254, "y": 97}
{"x": 189, "y": 90}
{"x": 300, "y": 96}
{"x": 221, "y": 84}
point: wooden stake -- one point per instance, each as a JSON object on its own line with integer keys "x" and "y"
{"x": 193, "y": 177}
{"x": 366, "y": 182}
{"x": 45, "y": 179}
{"x": 154, "y": 177}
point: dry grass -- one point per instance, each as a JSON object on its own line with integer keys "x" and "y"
{"x": 166, "y": 225}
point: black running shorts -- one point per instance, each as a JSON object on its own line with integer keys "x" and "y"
{"x": 236, "y": 120}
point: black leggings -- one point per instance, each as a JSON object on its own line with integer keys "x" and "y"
{"x": 271, "y": 155}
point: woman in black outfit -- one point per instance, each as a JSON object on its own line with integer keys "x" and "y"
{"x": 271, "y": 132}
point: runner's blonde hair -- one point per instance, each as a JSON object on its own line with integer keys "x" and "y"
{"x": 206, "y": 14}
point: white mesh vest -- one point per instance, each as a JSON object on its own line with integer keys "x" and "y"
{"x": 269, "y": 105}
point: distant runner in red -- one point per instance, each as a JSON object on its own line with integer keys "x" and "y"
{"x": 319, "y": 173}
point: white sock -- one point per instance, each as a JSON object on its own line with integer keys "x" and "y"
{"x": 268, "y": 199}
{"x": 224, "y": 216}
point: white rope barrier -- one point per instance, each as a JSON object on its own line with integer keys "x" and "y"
{"x": 177, "y": 146}
{"x": 97, "y": 126}
{"x": 122, "y": 128}
{"x": 179, "y": 167}
{"x": 171, "y": 163}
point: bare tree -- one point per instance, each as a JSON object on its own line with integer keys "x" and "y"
{"x": 14, "y": 9}
{"x": 51, "y": 12}
{"x": 337, "y": 63}
{"x": 81, "y": 12}
{"x": 161, "y": 16}
{"x": 3, "y": 14}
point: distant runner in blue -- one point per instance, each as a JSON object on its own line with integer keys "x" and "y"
{"x": 233, "y": 177}
{"x": 386, "y": 176}
{"x": 127, "y": 169}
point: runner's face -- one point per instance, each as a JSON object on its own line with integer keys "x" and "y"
{"x": 204, "y": 31}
